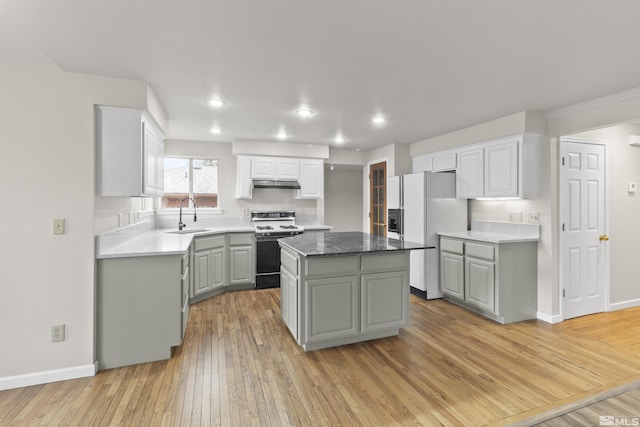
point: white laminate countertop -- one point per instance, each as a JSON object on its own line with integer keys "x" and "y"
{"x": 161, "y": 242}
{"x": 153, "y": 242}
{"x": 497, "y": 232}
{"x": 483, "y": 236}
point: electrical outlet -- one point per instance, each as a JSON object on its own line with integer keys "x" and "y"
{"x": 57, "y": 333}
{"x": 58, "y": 226}
{"x": 515, "y": 216}
{"x": 533, "y": 217}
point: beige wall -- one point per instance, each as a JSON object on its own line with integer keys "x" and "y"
{"x": 398, "y": 163}
{"x": 343, "y": 193}
{"x": 47, "y": 172}
{"x": 518, "y": 123}
{"x": 624, "y": 211}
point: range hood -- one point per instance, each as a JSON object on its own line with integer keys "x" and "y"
{"x": 276, "y": 183}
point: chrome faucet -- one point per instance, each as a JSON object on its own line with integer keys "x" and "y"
{"x": 182, "y": 225}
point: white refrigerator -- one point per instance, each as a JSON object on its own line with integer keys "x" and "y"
{"x": 429, "y": 205}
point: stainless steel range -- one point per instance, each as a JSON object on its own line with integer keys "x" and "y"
{"x": 269, "y": 227}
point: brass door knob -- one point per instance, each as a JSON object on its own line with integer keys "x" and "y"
{"x": 604, "y": 237}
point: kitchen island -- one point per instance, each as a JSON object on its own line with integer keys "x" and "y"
{"x": 344, "y": 287}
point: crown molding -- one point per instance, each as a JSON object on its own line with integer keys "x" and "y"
{"x": 594, "y": 103}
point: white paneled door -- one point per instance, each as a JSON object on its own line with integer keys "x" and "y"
{"x": 583, "y": 265}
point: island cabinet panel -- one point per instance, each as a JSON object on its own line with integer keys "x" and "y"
{"x": 333, "y": 306}
{"x": 384, "y": 262}
{"x": 385, "y": 300}
{"x": 289, "y": 299}
{"x": 332, "y": 265}
{"x": 334, "y": 300}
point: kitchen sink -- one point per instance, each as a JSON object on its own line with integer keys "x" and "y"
{"x": 187, "y": 231}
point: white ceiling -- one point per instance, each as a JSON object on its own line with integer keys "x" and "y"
{"x": 429, "y": 66}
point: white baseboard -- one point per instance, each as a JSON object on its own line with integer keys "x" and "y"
{"x": 44, "y": 377}
{"x": 624, "y": 304}
{"x": 549, "y": 318}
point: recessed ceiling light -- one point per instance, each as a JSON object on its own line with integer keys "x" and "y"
{"x": 215, "y": 130}
{"x": 282, "y": 134}
{"x": 378, "y": 119}
{"x": 305, "y": 112}
{"x": 357, "y": 149}
{"x": 339, "y": 139}
{"x": 216, "y": 103}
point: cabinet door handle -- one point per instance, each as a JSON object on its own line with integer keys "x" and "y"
{"x": 604, "y": 237}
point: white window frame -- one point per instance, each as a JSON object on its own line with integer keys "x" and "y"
{"x": 203, "y": 210}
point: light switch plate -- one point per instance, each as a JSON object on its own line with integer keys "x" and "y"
{"x": 58, "y": 226}
{"x": 632, "y": 187}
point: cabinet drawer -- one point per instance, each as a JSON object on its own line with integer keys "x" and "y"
{"x": 453, "y": 246}
{"x": 477, "y": 250}
{"x": 385, "y": 262}
{"x": 240, "y": 239}
{"x": 332, "y": 265}
{"x": 290, "y": 262}
{"x": 202, "y": 243}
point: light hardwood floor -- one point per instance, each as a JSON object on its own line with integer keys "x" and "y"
{"x": 239, "y": 366}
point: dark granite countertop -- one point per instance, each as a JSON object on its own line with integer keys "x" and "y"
{"x": 342, "y": 243}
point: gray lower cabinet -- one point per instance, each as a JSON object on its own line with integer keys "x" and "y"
{"x": 222, "y": 262}
{"x": 333, "y": 308}
{"x": 241, "y": 258}
{"x": 141, "y": 311}
{"x": 289, "y": 268}
{"x": 209, "y": 261}
{"x": 498, "y": 281}
{"x": 479, "y": 283}
{"x": 385, "y": 301}
{"x": 186, "y": 286}
{"x": 452, "y": 274}
{"x": 333, "y": 300}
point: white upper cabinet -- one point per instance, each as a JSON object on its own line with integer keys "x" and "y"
{"x": 287, "y": 168}
{"x": 501, "y": 169}
{"x": 470, "y": 173}
{"x": 421, "y": 163}
{"x": 275, "y": 168}
{"x": 153, "y": 154}
{"x": 311, "y": 179}
{"x": 309, "y": 173}
{"x": 507, "y": 167}
{"x": 263, "y": 168}
{"x": 440, "y": 161}
{"x": 129, "y": 153}
{"x": 443, "y": 161}
{"x": 243, "y": 178}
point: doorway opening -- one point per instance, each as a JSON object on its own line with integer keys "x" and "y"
{"x": 378, "y": 199}
{"x": 584, "y": 249}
